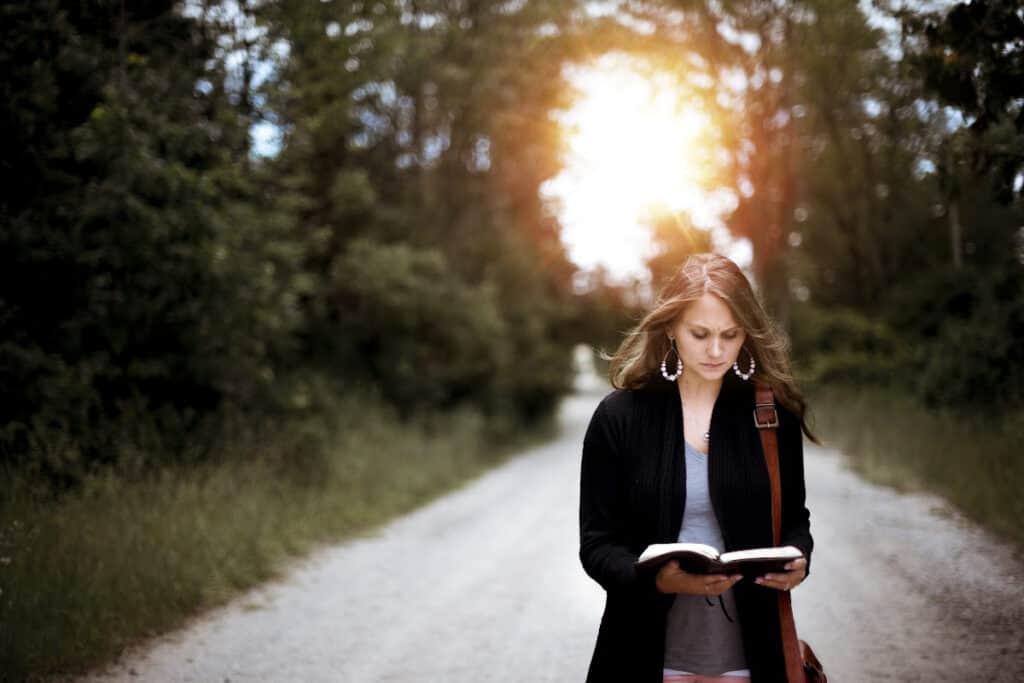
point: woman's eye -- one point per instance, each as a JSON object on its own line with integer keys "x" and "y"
{"x": 704, "y": 335}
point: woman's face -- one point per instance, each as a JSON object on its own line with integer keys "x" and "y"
{"x": 708, "y": 338}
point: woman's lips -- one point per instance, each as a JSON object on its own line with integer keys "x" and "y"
{"x": 712, "y": 366}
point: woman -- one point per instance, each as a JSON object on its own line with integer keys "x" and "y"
{"x": 673, "y": 454}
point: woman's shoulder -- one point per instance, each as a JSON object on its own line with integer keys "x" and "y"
{"x": 620, "y": 411}
{"x": 623, "y": 402}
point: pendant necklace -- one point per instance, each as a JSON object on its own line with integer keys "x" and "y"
{"x": 682, "y": 404}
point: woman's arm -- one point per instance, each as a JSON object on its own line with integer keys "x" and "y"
{"x": 603, "y": 550}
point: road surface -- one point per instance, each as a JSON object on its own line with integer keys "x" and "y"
{"x": 485, "y": 585}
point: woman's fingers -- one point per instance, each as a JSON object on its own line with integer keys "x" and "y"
{"x": 771, "y": 580}
{"x": 785, "y": 581}
{"x": 716, "y": 584}
{"x": 715, "y": 579}
{"x": 672, "y": 579}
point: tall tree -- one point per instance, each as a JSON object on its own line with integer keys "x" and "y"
{"x": 119, "y": 281}
{"x": 972, "y": 59}
{"x": 425, "y": 124}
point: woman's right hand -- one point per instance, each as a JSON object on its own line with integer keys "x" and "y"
{"x": 672, "y": 579}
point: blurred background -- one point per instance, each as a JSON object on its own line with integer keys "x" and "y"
{"x": 274, "y": 272}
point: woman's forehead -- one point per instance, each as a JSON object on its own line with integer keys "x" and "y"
{"x": 709, "y": 312}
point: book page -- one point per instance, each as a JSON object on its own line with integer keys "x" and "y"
{"x": 659, "y": 549}
{"x": 787, "y": 552}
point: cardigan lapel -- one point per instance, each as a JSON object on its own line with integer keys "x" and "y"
{"x": 722, "y": 452}
{"x": 673, "y": 469}
{"x": 734, "y": 449}
{"x": 737, "y": 475}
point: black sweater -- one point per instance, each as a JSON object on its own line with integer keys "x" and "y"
{"x": 632, "y": 494}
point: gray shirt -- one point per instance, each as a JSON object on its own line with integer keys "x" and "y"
{"x": 698, "y": 637}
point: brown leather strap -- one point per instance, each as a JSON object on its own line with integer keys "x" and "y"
{"x": 767, "y": 419}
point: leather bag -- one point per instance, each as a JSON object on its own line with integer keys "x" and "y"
{"x": 802, "y": 665}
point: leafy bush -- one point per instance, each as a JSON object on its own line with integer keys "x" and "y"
{"x": 947, "y": 337}
{"x": 843, "y": 345}
{"x": 975, "y": 360}
{"x": 412, "y": 327}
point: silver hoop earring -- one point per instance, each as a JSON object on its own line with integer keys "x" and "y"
{"x": 664, "y": 364}
{"x": 736, "y": 368}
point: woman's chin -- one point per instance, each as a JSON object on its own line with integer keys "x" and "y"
{"x": 712, "y": 374}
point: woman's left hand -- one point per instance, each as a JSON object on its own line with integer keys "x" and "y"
{"x": 796, "y": 572}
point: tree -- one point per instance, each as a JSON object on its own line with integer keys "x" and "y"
{"x": 426, "y": 126}
{"x": 121, "y": 285}
{"x": 972, "y": 59}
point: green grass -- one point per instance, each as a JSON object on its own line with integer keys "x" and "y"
{"x": 121, "y": 560}
{"x": 975, "y": 461}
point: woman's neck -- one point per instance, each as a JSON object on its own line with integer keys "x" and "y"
{"x": 694, "y": 389}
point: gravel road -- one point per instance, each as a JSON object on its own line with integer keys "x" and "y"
{"x": 485, "y": 585}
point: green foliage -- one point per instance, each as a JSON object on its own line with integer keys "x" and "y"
{"x": 113, "y": 230}
{"x": 151, "y": 266}
{"x": 843, "y": 345}
{"x": 972, "y": 58}
{"x": 946, "y": 336}
{"x": 969, "y": 324}
{"x": 415, "y": 329}
{"x": 121, "y": 558}
{"x": 439, "y": 274}
{"x": 168, "y": 296}
{"x": 536, "y": 348}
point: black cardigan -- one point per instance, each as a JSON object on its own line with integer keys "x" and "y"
{"x": 632, "y": 494}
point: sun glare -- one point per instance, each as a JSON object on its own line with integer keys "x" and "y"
{"x": 636, "y": 147}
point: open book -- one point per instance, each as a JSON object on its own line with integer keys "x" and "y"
{"x": 697, "y": 558}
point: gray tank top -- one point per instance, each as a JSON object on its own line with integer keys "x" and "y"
{"x": 698, "y": 637}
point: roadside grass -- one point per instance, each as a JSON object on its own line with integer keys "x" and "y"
{"x": 124, "y": 559}
{"x": 975, "y": 461}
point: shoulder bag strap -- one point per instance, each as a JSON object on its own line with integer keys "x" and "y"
{"x": 767, "y": 420}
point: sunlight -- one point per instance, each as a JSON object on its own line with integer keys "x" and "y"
{"x": 635, "y": 143}
{"x": 636, "y": 147}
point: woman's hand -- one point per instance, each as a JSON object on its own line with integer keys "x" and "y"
{"x": 787, "y": 580}
{"x": 672, "y": 579}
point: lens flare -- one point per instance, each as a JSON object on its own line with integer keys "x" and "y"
{"x": 636, "y": 146}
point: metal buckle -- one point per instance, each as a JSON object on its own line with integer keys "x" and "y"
{"x": 773, "y": 422}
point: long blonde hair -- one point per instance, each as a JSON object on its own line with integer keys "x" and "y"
{"x": 636, "y": 363}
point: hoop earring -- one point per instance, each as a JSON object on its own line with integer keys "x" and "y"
{"x": 679, "y": 364}
{"x": 736, "y": 367}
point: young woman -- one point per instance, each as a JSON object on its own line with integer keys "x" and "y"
{"x": 673, "y": 454}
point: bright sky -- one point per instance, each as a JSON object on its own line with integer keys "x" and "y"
{"x": 636, "y": 144}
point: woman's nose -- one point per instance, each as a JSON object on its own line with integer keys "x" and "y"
{"x": 716, "y": 347}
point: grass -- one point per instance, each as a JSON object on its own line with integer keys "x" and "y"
{"x": 975, "y": 461}
{"x": 123, "y": 559}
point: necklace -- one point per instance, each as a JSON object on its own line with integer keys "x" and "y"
{"x": 682, "y": 404}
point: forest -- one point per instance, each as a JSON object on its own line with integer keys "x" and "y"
{"x": 239, "y": 235}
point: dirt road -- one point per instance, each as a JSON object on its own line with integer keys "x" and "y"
{"x": 485, "y": 585}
